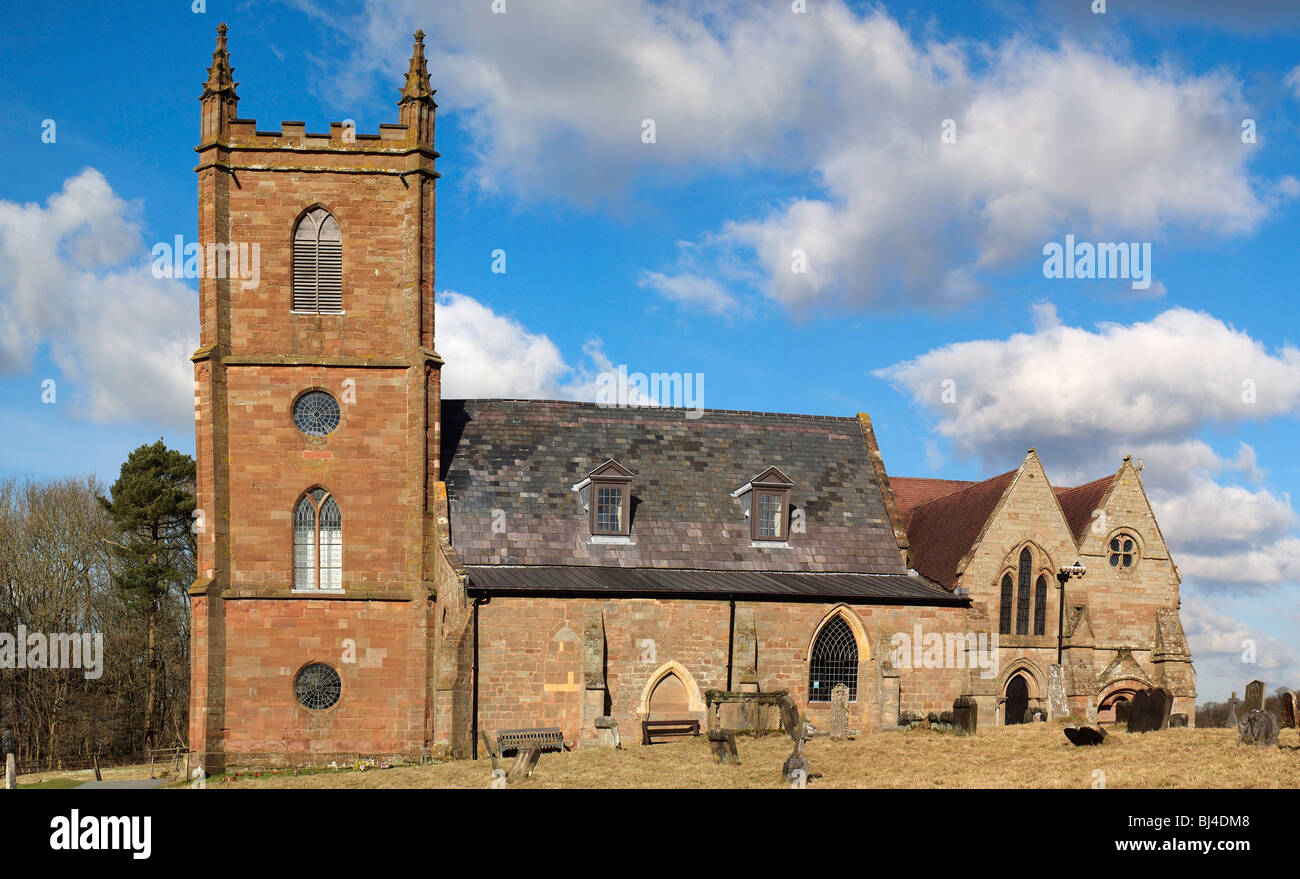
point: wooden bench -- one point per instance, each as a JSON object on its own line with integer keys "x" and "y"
{"x": 543, "y": 739}
{"x": 655, "y": 731}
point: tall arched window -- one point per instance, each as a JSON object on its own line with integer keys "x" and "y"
{"x": 1040, "y": 606}
{"x": 317, "y": 542}
{"x": 1022, "y": 592}
{"x": 1004, "y": 617}
{"x": 834, "y": 661}
{"x": 318, "y": 264}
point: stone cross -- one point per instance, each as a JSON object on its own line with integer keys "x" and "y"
{"x": 1254, "y": 697}
{"x": 839, "y": 712}
{"x": 1232, "y": 710}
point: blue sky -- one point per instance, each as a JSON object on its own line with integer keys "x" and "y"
{"x": 774, "y": 131}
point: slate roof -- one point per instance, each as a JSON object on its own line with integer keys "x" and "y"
{"x": 627, "y": 582}
{"x": 522, "y": 458}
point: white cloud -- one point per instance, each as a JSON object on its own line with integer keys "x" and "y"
{"x": 690, "y": 290}
{"x": 1221, "y": 646}
{"x": 491, "y": 355}
{"x": 74, "y": 276}
{"x": 1048, "y": 141}
{"x": 1078, "y": 391}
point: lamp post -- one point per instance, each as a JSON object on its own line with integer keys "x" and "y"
{"x": 1062, "y": 577}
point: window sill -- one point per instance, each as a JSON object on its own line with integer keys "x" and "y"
{"x": 610, "y": 540}
{"x": 317, "y": 592}
{"x": 770, "y": 544}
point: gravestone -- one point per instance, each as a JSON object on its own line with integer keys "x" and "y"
{"x": 1150, "y": 710}
{"x": 1231, "y": 722}
{"x": 1056, "y": 702}
{"x": 795, "y": 768}
{"x": 1178, "y": 721}
{"x": 525, "y": 762}
{"x": 965, "y": 715}
{"x": 723, "y": 744}
{"x": 1084, "y": 736}
{"x": 839, "y": 713}
{"x": 1288, "y": 710}
{"x": 11, "y": 773}
{"x": 1254, "y": 697}
{"x": 1257, "y": 728}
{"x": 790, "y": 718}
{"x": 607, "y": 733}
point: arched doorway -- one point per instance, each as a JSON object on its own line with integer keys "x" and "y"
{"x": 669, "y": 700}
{"x": 1017, "y": 700}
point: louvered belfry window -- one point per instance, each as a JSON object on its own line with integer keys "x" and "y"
{"x": 318, "y": 264}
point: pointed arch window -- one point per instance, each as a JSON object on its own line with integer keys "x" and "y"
{"x": 1004, "y": 616}
{"x": 1022, "y": 591}
{"x": 317, "y": 542}
{"x": 1040, "y": 606}
{"x": 318, "y": 264}
{"x": 834, "y": 661}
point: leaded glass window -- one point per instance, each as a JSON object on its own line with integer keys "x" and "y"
{"x": 316, "y": 413}
{"x": 317, "y": 687}
{"x": 834, "y": 661}
{"x": 1022, "y": 592}
{"x": 317, "y": 542}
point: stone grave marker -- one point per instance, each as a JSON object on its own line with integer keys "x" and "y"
{"x": 1178, "y": 721}
{"x": 1122, "y": 708}
{"x": 525, "y": 762}
{"x": 1254, "y": 697}
{"x": 1288, "y": 710}
{"x": 965, "y": 715}
{"x": 839, "y": 712}
{"x": 723, "y": 744}
{"x": 790, "y": 718}
{"x": 1257, "y": 728}
{"x": 1150, "y": 710}
{"x": 11, "y": 773}
{"x": 1232, "y": 710}
{"x": 1084, "y": 736}
{"x": 607, "y": 732}
{"x": 1057, "y": 704}
{"x": 795, "y": 768}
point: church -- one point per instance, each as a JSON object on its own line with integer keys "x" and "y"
{"x": 383, "y": 572}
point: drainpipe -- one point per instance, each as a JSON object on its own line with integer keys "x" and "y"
{"x": 473, "y": 730}
{"x": 731, "y": 642}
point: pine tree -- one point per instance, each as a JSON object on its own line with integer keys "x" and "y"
{"x": 152, "y": 504}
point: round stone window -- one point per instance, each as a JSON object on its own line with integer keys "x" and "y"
{"x": 316, "y": 413}
{"x": 317, "y": 687}
{"x": 1123, "y": 551}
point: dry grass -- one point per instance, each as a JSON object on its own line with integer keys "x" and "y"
{"x": 1035, "y": 755}
{"x": 116, "y": 773}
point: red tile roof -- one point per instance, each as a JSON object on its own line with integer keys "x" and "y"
{"x": 912, "y": 491}
{"x": 942, "y": 531}
{"x": 1079, "y": 502}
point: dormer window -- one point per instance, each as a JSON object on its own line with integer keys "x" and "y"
{"x": 607, "y": 492}
{"x": 769, "y": 505}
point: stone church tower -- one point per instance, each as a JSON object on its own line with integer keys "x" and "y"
{"x": 317, "y": 415}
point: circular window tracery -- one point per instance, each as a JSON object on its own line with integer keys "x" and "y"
{"x": 316, "y": 413}
{"x": 1123, "y": 551}
{"x": 317, "y": 687}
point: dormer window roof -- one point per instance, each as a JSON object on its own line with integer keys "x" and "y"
{"x": 769, "y": 505}
{"x": 607, "y": 491}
